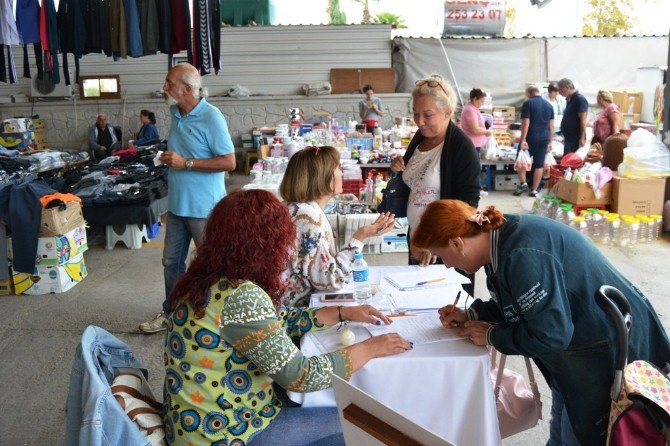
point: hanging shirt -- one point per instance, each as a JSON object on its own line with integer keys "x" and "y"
{"x": 422, "y": 175}
{"x": 149, "y": 28}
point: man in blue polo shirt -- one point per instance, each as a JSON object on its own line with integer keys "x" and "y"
{"x": 537, "y": 130}
{"x": 199, "y": 153}
{"x": 573, "y": 125}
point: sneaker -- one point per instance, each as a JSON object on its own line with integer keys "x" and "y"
{"x": 533, "y": 193}
{"x": 521, "y": 188}
{"x": 155, "y": 325}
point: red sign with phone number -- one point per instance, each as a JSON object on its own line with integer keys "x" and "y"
{"x": 463, "y": 17}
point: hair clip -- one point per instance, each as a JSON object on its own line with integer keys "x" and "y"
{"x": 479, "y": 218}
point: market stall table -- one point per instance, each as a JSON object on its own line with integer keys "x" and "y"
{"x": 444, "y": 386}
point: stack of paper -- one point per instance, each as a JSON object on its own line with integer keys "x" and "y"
{"x": 420, "y": 329}
{"x": 426, "y": 300}
{"x": 426, "y": 278}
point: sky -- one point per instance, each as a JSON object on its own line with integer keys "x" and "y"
{"x": 425, "y": 18}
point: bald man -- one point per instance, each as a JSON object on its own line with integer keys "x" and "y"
{"x": 199, "y": 153}
{"x": 101, "y": 138}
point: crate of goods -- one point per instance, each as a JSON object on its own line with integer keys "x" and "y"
{"x": 582, "y": 194}
{"x": 59, "y": 249}
{"x": 395, "y": 241}
{"x": 628, "y": 101}
{"x": 364, "y": 143}
{"x": 508, "y": 112}
{"x": 503, "y": 138}
{"x": 51, "y": 279}
{"x": 352, "y": 186}
{"x": 6, "y": 287}
{"x": 638, "y": 195}
{"x": 17, "y": 125}
{"x": 61, "y": 219}
{"x": 556, "y": 172}
{"x": 506, "y": 181}
{"x": 17, "y": 141}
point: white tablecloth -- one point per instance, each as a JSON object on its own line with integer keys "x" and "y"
{"x": 444, "y": 386}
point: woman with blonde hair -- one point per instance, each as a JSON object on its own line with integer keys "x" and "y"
{"x": 542, "y": 306}
{"x": 607, "y": 121}
{"x": 313, "y": 176}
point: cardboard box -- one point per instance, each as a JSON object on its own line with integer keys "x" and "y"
{"x": 61, "y": 219}
{"x": 628, "y": 101}
{"x": 395, "y": 241}
{"x": 18, "y": 141}
{"x": 508, "y": 112}
{"x": 506, "y": 181}
{"x": 51, "y": 279}
{"x": 638, "y": 196}
{"x": 582, "y": 194}
{"x": 626, "y": 120}
{"x": 60, "y": 249}
{"x": 39, "y": 124}
{"x": 17, "y": 125}
{"x": 6, "y": 287}
{"x": 263, "y": 151}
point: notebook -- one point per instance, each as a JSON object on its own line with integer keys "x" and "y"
{"x": 435, "y": 278}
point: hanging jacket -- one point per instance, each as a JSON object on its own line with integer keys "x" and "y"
{"x": 117, "y": 26}
{"x": 133, "y": 36}
{"x": 149, "y": 28}
{"x": 9, "y": 35}
{"x": 71, "y": 27}
{"x": 28, "y": 20}
{"x": 164, "y": 25}
{"x": 20, "y": 207}
{"x": 49, "y": 38}
{"x": 205, "y": 37}
{"x": 181, "y": 28}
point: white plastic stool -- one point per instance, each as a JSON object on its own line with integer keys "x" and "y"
{"x": 130, "y": 235}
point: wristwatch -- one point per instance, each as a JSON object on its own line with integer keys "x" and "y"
{"x": 189, "y": 163}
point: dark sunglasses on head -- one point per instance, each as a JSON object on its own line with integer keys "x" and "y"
{"x": 431, "y": 84}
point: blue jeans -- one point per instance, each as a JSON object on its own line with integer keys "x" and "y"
{"x": 560, "y": 429}
{"x": 299, "y": 426}
{"x": 178, "y": 234}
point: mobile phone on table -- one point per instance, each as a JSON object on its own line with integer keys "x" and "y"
{"x": 337, "y": 297}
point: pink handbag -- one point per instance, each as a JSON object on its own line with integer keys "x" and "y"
{"x": 518, "y": 407}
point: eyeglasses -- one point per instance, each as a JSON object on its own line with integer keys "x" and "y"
{"x": 431, "y": 84}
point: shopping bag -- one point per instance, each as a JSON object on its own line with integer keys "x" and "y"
{"x": 395, "y": 197}
{"x": 523, "y": 161}
{"x": 518, "y": 407}
{"x": 490, "y": 149}
{"x": 549, "y": 161}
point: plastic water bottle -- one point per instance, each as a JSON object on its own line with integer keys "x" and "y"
{"x": 361, "y": 273}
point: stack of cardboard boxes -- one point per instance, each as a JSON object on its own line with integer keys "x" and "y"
{"x": 40, "y": 134}
{"x": 59, "y": 262}
{"x": 503, "y": 116}
{"x": 630, "y": 106}
{"x": 17, "y": 134}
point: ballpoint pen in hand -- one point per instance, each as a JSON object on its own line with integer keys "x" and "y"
{"x": 453, "y": 307}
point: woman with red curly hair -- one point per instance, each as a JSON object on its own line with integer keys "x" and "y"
{"x": 227, "y": 342}
{"x": 543, "y": 276}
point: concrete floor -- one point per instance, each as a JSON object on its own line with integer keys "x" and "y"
{"x": 39, "y": 334}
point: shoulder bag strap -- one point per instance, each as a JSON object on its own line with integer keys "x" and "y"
{"x": 533, "y": 387}
{"x": 501, "y": 368}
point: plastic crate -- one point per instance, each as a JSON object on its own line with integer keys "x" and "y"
{"x": 556, "y": 172}
{"x": 352, "y": 186}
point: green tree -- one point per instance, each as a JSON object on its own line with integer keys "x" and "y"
{"x": 367, "y": 18}
{"x": 510, "y": 20}
{"x": 335, "y": 14}
{"x": 389, "y": 18}
{"x": 608, "y": 18}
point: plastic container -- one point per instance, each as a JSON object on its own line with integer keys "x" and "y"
{"x": 579, "y": 223}
{"x": 596, "y": 225}
{"x": 658, "y": 225}
{"x": 361, "y": 273}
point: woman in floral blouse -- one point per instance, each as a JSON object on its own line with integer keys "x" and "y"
{"x": 313, "y": 176}
{"x": 227, "y": 343}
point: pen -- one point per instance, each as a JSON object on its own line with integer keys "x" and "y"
{"x": 453, "y": 307}
{"x": 426, "y": 282}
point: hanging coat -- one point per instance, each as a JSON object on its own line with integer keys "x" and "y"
{"x": 28, "y": 20}
{"x": 133, "y": 36}
{"x": 149, "y": 25}
{"x": 49, "y": 38}
{"x": 181, "y": 28}
{"x": 9, "y": 35}
{"x": 164, "y": 25}
{"x": 206, "y": 35}
{"x": 117, "y": 26}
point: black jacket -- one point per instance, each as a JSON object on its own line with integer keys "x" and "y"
{"x": 460, "y": 166}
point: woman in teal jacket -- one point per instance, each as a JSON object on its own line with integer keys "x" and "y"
{"x": 543, "y": 276}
